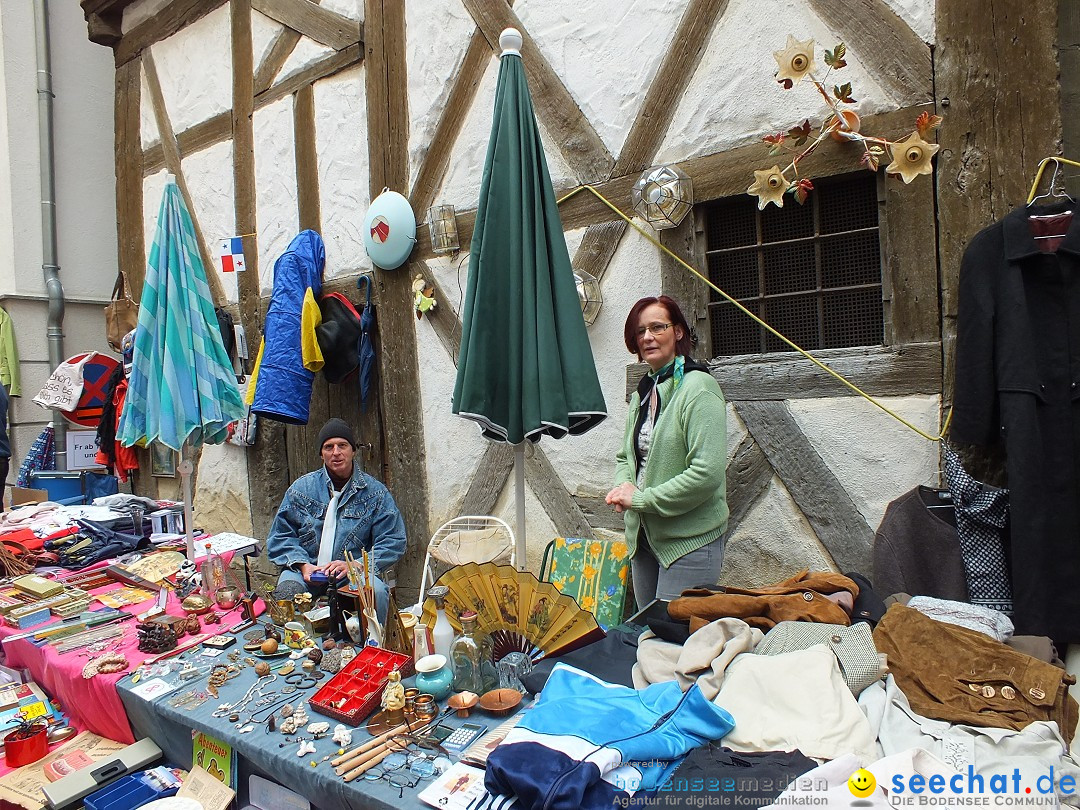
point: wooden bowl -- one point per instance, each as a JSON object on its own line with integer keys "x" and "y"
{"x": 462, "y": 702}
{"x": 500, "y": 701}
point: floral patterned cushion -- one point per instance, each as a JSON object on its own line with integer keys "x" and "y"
{"x": 594, "y": 572}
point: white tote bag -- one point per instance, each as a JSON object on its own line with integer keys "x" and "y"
{"x": 63, "y": 389}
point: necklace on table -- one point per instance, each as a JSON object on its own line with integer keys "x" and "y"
{"x": 255, "y": 690}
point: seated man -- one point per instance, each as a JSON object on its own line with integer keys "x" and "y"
{"x": 334, "y": 509}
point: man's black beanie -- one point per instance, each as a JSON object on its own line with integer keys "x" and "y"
{"x": 336, "y": 429}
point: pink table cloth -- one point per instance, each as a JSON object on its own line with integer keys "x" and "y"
{"x": 92, "y": 704}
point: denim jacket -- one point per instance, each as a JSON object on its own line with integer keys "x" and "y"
{"x": 367, "y": 519}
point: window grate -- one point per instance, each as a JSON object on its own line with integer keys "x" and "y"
{"x": 813, "y": 271}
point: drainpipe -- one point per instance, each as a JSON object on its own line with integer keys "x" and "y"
{"x": 53, "y": 288}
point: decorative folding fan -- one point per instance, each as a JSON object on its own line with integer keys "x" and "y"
{"x": 518, "y": 611}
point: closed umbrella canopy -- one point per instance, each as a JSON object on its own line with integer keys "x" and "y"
{"x": 525, "y": 368}
{"x": 182, "y": 385}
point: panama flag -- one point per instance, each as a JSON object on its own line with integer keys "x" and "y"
{"x": 232, "y": 255}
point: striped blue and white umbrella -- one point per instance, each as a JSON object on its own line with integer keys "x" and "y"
{"x": 182, "y": 386}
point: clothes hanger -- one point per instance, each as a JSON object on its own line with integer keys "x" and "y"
{"x": 1055, "y": 190}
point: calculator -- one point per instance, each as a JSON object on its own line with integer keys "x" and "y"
{"x": 462, "y": 736}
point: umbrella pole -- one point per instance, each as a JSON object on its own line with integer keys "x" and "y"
{"x": 519, "y": 497}
{"x": 185, "y": 469}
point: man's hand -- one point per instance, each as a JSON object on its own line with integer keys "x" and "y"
{"x": 622, "y": 497}
{"x": 336, "y": 569}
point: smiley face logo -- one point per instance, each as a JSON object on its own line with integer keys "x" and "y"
{"x": 861, "y": 783}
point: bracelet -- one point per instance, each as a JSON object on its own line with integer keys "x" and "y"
{"x": 105, "y": 665}
{"x": 301, "y": 680}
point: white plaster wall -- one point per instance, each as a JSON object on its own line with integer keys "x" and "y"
{"x": 539, "y": 530}
{"x": 353, "y": 9}
{"x": 875, "y": 457}
{"x": 773, "y": 541}
{"x": 140, "y": 12}
{"x": 210, "y": 182}
{"x": 306, "y": 53}
{"x": 275, "y": 185}
{"x": 453, "y": 446}
{"x": 606, "y": 67}
{"x": 341, "y": 138}
{"x": 153, "y": 189}
{"x": 437, "y": 36}
{"x": 586, "y": 463}
{"x": 195, "y": 70}
{"x": 222, "y": 499}
{"x": 148, "y": 128}
{"x": 733, "y": 98}
{"x": 263, "y": 32}
{"x": 919, "y": 14}
{"x": 461, "y": 187}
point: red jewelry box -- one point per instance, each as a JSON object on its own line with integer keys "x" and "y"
{"x": 356, "y": 691}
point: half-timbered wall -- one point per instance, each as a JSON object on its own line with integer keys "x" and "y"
{"x": 333, "y": 101}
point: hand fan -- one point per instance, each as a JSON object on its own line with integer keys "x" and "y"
{"x": 518, "y": 611}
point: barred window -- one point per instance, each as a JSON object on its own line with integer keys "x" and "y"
{"x": 812, "y": 271}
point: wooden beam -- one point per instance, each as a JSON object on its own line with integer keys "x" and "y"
{"x": 130, "y": 233}
{"x": 581, "y": 146}
{"x": 909, "y": 267}
{"x": 307, "y": 160}
{"x": 881, "y": 371}
{"x": 885, "y": 45}
{"x": 243, "y": 155}
{"x": 489, "y": 479}
{"x": 549, "y": 489}
{"x": 598, "y": 514}
{"x": 721, "y": 174}
{"x": 436, "y": 159}
{"x": 597, "y": 247}
{"x": 175, "y": 16}
{"x": 824, "y": 502}
{"x": 399, "y": 372}
{"x": 105, "y": 6}
{"x": 219, "y": 128}
{"x": 748, "y": 477}
{"x": 1001, "y": 98}
{"x": 280, "y": 50}
{"x": 691, "y": 295}
{"x": 667, "y": 88}
{"x": 105, "y": 29}
{"x": 320, "y": 24}
{"x": 174, "y": 164}
{"x": 325, "y": 67}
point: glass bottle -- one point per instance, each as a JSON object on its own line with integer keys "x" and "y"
{"x": 470, "y": 658}
{"x": 422, "y": 645}
{"x": 213, "y": 572}
{"x": 442, "y": 634}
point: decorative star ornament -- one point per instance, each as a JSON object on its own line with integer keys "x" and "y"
{"x": 769, "y": 186}
{"x": 911, "y": 157}
{"x": 796, "y": 60}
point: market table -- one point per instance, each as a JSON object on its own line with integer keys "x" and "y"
{"x": 259, "y": 752}
{"x": 92, "y": 703}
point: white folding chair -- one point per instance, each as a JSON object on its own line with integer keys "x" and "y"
{"x": 465, "y": 539}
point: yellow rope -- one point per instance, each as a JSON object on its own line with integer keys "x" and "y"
{"x": 785, "y": 339}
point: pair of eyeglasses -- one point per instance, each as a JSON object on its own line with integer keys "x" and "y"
{"x": 403, "y": 769}
{"x": 653, "y": 329}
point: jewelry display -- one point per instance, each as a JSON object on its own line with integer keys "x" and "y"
{"x": 254, "y": 691}
{"x": 301, "y": 680}
{"x": 78, "y": 641}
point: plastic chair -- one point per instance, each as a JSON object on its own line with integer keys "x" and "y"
{"x": 465, "y": 539}
{"x": 594, "y": 572}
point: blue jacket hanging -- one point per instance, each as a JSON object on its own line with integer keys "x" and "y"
{"x": 289, "y": 355}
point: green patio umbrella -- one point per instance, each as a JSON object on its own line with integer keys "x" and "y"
{"x": 525, "y": 369}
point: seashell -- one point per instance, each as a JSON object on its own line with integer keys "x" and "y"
{"x": 318, "y": 728}
{"x": 287, "y": 710}
{"x": 329, "y": 644}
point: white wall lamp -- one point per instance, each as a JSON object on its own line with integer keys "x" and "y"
{"x": 662, "y": 196}
{"x": 442, "y": 226}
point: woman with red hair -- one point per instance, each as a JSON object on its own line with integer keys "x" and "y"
{"x": 670, "y": 468}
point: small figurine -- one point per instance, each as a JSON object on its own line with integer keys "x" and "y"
{"x": 423, "y": 296}
{"x": 393, "y": 698}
